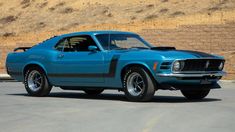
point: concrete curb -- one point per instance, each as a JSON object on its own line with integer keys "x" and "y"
{"x": 227, "y": 81}
{"x": 5, "y": 77}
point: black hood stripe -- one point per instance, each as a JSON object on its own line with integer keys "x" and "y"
{"x": 197, "y": 53}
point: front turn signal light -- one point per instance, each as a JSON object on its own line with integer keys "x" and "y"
{"x": 155, "y": 66}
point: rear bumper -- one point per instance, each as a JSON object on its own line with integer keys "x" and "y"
{"x": 182, "y": 75}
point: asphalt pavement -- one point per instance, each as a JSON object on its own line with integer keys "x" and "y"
{"x": 74, "y": 111}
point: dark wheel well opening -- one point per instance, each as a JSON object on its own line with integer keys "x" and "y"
{"x": 32, "y": 65}
{"x": 126, "y": 68}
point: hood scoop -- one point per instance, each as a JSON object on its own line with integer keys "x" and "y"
{"x": 163, "y": 48}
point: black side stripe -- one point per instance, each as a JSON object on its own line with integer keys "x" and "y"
{"x": 111, "y": 73}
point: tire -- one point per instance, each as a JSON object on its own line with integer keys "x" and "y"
{"x": 93, "y": 91}
{"x": 195, "y": 94}
{"x": 138, "y": 85}
{"x": 36, "y": 82}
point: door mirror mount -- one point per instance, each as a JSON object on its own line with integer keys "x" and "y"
{"x": 92, "y": 48}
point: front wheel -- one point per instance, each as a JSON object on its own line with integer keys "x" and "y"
{"x": 195, "y": 94}
{"x": 36, "y": 83}
{"x": 138, "y": 85}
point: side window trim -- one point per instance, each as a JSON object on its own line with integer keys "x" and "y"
{"x": 61, "y": 40}
{"x": 68, "y": 39}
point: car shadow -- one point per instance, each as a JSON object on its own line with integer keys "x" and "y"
{"x": 119, "y": 97}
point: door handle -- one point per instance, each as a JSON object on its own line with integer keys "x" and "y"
{"x": 60, "y": 55}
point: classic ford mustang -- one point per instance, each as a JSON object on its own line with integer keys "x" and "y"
{"x": 97, "y": 60}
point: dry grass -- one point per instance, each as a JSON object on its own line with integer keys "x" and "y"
{"x": 32, "y": 21}
{"x": 58, "y": 14}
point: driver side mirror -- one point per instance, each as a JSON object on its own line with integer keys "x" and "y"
{"x": 92, "y": 48}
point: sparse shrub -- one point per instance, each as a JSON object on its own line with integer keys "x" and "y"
{"x": 107, "y": 13}
{"x": 60, "y": 4}
{"x": 218, "y": 6}
{"x": 153, "y": 16}
{"x": 164, "y": 0}
{"x": 43, "y": 5}
{"x": 133, "y": 18}
{"x": 139, "y": 11}
{"x": 41, "y": 25}
{"x": 215, "y": 8}
{"x": 8, "y": 19}
{"x": 23, "y": 2}
{"x": 164, "y": 10}
{"x": 52, "y": 8}
{"x": 177, "y": 13}
{"x": 67, "y": 10}
{"x": 25, "y": 6}
{"x": 110, "y": 15}
{"x": 150, "y": 6}
{"x": 8, "y": 34}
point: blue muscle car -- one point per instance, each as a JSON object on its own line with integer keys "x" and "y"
{"x": 97, "y": 60}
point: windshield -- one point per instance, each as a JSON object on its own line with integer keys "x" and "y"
{"x": 121, "y": 41}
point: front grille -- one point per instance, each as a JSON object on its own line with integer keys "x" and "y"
{"x": 202, "y": 65}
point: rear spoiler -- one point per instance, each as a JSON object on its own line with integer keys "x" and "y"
{"x": 21, "y": 48}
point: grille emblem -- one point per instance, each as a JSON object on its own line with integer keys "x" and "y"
{"x": 207, "y": 64}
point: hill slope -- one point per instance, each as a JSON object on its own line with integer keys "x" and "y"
{"x": 23, "y": 16}
{"x": 207, "y": 25}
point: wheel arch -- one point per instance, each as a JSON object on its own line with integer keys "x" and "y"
{"x": 134, "y": 64}
{"x": 33, "y": 64}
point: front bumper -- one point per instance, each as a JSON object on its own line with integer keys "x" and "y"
{"x": 182, "y": 75}
{"x": 189, "y": 80}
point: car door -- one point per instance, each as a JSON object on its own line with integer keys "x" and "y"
{"x": 75, "y": 64}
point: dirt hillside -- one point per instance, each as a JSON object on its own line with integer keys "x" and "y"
{"x": 26, "y": 22}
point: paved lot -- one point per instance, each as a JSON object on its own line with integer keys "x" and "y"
{"x": 74, "y": 111}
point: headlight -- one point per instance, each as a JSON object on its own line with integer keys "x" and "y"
{"x": 221, "y": 66}
{"x": 178, "y": 65}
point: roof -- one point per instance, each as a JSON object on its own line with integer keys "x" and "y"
{"x": 96, "y": 32}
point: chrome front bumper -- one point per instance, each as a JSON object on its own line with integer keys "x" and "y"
{"x": 205, "y": 74}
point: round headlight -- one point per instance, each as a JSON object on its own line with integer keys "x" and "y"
{"x": 221, "y": 66}
{"x": 176, "y": 66}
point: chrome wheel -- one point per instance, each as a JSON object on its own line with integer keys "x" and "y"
{"x": 135, "y": 84}
{"x": 34, "y": 80}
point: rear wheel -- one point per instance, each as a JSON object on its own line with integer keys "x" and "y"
{"x": 138, "y": 85}
{"x": 195, "y": 94}
{"x": 93, "y": 91}
{"x": 36, "y": 83}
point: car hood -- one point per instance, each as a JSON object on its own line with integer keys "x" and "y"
{"x": 179, "y": 54}
{"x": 168, "y": 54}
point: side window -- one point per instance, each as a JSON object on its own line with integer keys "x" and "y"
{"x": 62, "y": 44}
{"x": 81, "y": 43}
{"x": 75, "y": 44}
{"x": 104, "y": 40}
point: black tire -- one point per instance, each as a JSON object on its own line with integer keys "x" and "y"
{"x": 44, "y": 89}
{"x": 93, "y": 91}
{"x": 195, "y": 94}
{"x": 148, "y": 87}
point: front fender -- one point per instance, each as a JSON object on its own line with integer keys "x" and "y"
{"x": 147, "y": 65}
